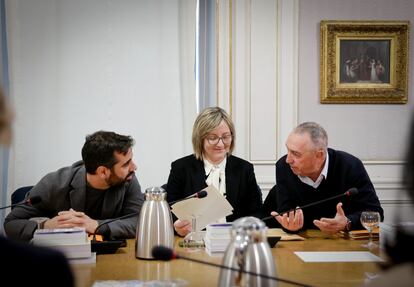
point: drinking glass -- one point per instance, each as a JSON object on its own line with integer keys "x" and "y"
{"x": 370, "y": 220}
{"x": 194, "y": 240}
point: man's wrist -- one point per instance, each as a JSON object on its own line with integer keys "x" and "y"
{"x": 348, "y": 225}
{"x": 40, "y": 221}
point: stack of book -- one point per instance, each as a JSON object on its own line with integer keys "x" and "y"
{"x": 284, "y": 236}
{"x": 73, "y": 242}
{"x": 217, "y": 237}
{"x": 361, "y": 234}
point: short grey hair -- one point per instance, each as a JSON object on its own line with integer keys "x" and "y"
{"x": 316, "y": 132}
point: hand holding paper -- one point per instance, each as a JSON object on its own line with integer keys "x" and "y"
{"x": 207, "y": 210}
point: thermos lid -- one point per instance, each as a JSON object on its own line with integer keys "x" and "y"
{"x": 155, "y": 193}
{"x": 252, "y": 229}
{"x": 154, "y": 189}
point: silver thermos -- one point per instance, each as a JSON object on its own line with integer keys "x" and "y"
{"x": 155, "y": 226}
{"x": 248, "y": 250}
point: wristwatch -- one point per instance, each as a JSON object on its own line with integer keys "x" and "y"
{"x": 40, "y": 221}
{"x": 348, "y": 225}
{"x": 41, "y": 224}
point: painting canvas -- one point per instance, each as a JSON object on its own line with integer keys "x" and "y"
{"x": 364, "y": 62}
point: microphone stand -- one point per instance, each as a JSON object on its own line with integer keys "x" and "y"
{"x": 350, "y": 192}
{"x": 112, "y": 220}
{"x": 28, "y": 201}
{"x": 200, "y": 194}
{"x": 243, "y": 271}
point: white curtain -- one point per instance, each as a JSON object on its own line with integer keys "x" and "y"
{"x": 80, "y": 66}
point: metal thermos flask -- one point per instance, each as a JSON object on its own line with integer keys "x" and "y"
{"x": 155, "y": 226}
{"x": 248, "y": 250}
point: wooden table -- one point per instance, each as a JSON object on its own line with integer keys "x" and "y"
{"x": 124, "y": 266}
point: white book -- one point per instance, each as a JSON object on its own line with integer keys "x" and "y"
{"x": 217, "y": 237}
{"x": 219, "y": 230}
{"x": 74, "y": 250}
{"x": 60, "y": 236}
{"x": 88, "y": 260}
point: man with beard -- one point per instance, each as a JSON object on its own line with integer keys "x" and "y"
{"x": 100, "y": 187}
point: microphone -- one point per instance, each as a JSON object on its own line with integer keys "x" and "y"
{"x": 166, "y": 254}
{"x": 112, "y": 220}
{"x": 29, "y": 201}
{"x": 200, "y": 194}
{"x": 350, "y": 192}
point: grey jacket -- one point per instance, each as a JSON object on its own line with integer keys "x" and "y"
{"x": 65, "y": 189}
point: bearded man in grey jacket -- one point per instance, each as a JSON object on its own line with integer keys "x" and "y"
{"x": 100, "y": 187}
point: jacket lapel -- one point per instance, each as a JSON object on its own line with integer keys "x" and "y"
{"x": 232, "y": 181}
{"x": 78, "y": 194}
{"x": 199, "y": 175}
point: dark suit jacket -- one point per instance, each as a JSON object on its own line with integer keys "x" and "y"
{"x": 187, "y": 176}
{"x": 28, "y": 265}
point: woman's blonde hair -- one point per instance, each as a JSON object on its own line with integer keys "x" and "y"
{"x": 208, "y": 120}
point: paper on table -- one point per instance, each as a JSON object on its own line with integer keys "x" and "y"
{"x": 207, "y": 210}
{"x": 338, "y": 256}
{"x": 139, "y": 283}
{"x": 284, "y": 236}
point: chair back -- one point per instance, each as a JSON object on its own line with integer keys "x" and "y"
{"x": 20, "y": 194}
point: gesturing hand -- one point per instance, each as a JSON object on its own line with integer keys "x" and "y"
{"x": 333, "y": 225}
{"x": 292, "y": 221}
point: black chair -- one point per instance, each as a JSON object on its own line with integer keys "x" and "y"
{"x": 269, "y": 205}
{"x": 19, "y": 194}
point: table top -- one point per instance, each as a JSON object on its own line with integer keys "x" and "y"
{"x": 123, "y": 265}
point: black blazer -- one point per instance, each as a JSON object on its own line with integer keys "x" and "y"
{"x": 187, "y": 176}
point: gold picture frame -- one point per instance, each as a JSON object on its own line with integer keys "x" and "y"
{"x": 364, "y": 62}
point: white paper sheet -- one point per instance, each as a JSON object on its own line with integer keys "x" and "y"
{"x": 338, "y": 256}
{"x": 206, "y": 210}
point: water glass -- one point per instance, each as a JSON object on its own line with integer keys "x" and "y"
{"x": 370, "y": 220}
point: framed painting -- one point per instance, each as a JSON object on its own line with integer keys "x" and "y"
{"x": 364, "y": 62}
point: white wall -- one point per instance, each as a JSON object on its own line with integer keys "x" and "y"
{"x": 275, "y": 85}
{"x": 375, "y": 133}
{"x": 81, "y": 66}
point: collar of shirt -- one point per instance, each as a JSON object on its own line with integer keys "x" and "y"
{"x": 324, "y": 174}
{"x": 208, "y": 166}
{"x": 216, "y": 175}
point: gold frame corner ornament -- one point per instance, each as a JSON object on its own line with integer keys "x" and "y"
{"x": 393, "y": 34}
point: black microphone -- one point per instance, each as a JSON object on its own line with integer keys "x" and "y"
{"x": 200, "y": 194}
{"x": 350, "y": 192}
{"x": 29, "y": 201}
{"x": 112, "y": 220}
{"x": 166, "y": 254}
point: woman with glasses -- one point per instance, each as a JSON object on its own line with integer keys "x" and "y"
{"x": 213, "y": 164}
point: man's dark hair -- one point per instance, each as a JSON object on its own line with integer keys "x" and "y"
{"x": 99, "y": 149}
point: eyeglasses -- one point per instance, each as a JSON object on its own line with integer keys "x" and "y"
{"x": 213, "y": 140}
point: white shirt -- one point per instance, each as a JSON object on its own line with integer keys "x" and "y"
{"x": 324, "y": 174}
{"x": 216, "y": 175}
